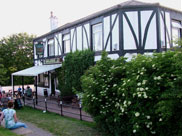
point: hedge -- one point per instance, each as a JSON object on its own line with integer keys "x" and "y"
{"x": 140, "y": 97}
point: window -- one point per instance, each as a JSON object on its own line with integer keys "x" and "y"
{"x": 43, "y": 80}
{"x": 97, "y": 37}
{"x": 176, "y": 31}
{"x": 115, "y": 33}
{"x": 66, "y": 43}
{"x": 51, "y": 47}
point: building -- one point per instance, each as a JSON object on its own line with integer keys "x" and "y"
{"x": 126, "y": 29}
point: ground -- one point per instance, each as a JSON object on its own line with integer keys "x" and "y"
{"x": 32, "y": 130}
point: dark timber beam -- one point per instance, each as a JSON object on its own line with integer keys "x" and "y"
{"x": 13, "y": 85}
{"x": 36, "y": 97}
{"x": 23, "y": 85}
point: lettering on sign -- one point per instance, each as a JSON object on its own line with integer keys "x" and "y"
{"x": 53, "y": 61}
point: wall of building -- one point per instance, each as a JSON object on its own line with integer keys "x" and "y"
{"x": 121, "y": 33}
{"x": 132, "y": 30}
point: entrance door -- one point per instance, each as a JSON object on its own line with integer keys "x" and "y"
{"x": 52, "y": 85}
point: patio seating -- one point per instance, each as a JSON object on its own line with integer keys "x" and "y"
{"x": 75, "y": 102}
{"x": 4, "y": 102}
{"x": 29, "y": 93}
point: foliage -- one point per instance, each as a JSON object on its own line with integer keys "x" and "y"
{"x": 73, "y": 67}
{"x": 178, "y": 42}
{"x": 140, "y": 97}
{"x": 2, "y": 73}
{"x": 16, "y": 52}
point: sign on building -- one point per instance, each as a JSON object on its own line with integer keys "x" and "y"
{"x": 39, "y": 48}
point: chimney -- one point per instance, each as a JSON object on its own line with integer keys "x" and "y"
{"x": 53, "y": 21}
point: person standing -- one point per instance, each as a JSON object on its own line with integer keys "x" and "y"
{"x": 29, "y": 91}
{"x": 11, "y": 121}
{"x": 19, "y": 91}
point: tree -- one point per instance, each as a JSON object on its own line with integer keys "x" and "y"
{"x": 74, "y": 66}
{"x": 2, "y": 73}
{"x": 16, "y": 52}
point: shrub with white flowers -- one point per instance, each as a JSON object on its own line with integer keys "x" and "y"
{"x": 142, "y": 97}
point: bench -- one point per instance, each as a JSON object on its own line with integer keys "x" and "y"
{"x": 56, "y": 97}
{"x": 75, "y": 102}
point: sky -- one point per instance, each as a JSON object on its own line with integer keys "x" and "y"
{"x": 32, "y": 16}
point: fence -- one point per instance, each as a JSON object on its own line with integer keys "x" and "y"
{"x": 59, "y": 107}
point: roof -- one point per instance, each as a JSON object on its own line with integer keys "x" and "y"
{"x": 35, "y": 70}
{"x": 127, "y": 4}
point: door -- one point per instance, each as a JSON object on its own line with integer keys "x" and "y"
{"x": 52, "y": 85}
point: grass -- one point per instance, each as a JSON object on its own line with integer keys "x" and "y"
{"x": 56, "y": 124}
{"x": 6, "y": 132}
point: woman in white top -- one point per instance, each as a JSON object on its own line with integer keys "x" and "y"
{"x": 11, "y": 121}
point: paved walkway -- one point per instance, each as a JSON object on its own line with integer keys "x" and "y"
{"x": 32, "y": 130}
{"x": 37, "y": 131}
{"x": 54, "y": 106}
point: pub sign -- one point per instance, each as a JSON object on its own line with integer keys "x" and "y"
{"x": 39, "y": 48}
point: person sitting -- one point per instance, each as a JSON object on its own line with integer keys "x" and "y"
{"x": 0, "y": 95}
{"x": 4, "y": 101}
{"x": 1, "y": 107}
{"x": 29, "y": 91}
{"x": 10, "y": 92}
{"x": 0, "y": 89}
{"x": 9, "y": 96}
{"x": 17, "y": 102}
{"x": 11, "y": 121}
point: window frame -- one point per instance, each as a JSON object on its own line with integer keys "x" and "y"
{"x": 100, "y": 35}
{"x": 178, "y": 29}
{"x": 67, "y": 40}
{"x": 48, "y": 46}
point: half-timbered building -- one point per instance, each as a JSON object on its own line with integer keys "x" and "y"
{"x": 126, "y": 29}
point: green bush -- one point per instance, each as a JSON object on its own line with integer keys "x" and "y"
{"x": 140, "y": 97}
{"x": 2, "y": 73}
{"x": 74, "y": 66}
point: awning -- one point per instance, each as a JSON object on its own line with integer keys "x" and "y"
{"x": 35, "y": 70}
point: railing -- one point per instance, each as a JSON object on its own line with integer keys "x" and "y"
{"x": 58, "y": 107}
